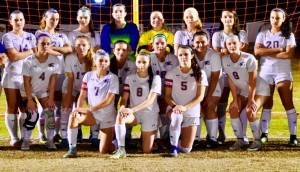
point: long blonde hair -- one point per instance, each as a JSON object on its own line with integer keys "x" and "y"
{"x": 45, "y": 15}
{"x": 193, "y": 10}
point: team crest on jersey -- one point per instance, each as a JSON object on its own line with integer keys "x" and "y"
{"x": 60, "y": 36}
{"x": 177, "y": 75}
{"x": 134, "y": 80}
{"x": 75, "y": 65}
{"x": 106, "y": 81}
{"x": 169, "y": 63}
{"x": 28, "y": 38}
{"x": 207, "y": 62}
{"x": 51, "y": 65}
{"x": 127, "y": 69}
{"x": 242, "y": 64}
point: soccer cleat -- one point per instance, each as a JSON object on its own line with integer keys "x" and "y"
{"x": 72, "y": 153}
{"x": 50, "y": 145}
{"x": 293, "y": 141}
{"x": 163, "y": 145}
{"x": 196, "y": 144}
{"x": 256, "y": 145}
{"x": 174, "y": 151}
{"x": 15, "y": 143}
{"x": 237, "y": 145}
{"x": 63, "y": 143}
{"x": 264, "y": 137}
{"x": 117, "y": 154}
{"x": 43, "y": 139}
{"x": 25, "y": 145}
{"x": 221, "y": 139}
{"x": 246, "y": 141}
{"x": 211, "y": 144}
{"x": 56, "y": 138}
{"x": 95, "y": 142}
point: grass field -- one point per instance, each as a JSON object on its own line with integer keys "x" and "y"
{"x": 275, "y": 155}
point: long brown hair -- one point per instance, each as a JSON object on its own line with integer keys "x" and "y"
{"x": 91, "y": 23}
{"x": 89, "y": 58}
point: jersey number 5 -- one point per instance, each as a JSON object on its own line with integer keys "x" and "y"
{"x": 183, "y": 85}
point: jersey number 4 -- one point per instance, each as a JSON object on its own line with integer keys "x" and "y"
{"x": 42, "y": 76}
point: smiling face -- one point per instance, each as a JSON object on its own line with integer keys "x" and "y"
{"x": 142, "y": 63}
{"x": 200, "y": 43}
{"x": 227, "y": 18}
{"x": 233, "y": 45}
{"x": 44, "y": 43}
{"x": 83, "y": 18}
{"x": 119, "y": 13}
{"x": 17, "y": 21}
{"x": 157, "y": 20}
{"x": 52, "y": 20}
{"x": 185, "y": 57}
{"x": 82, "y": 46}
{"x": 276, "y": 19}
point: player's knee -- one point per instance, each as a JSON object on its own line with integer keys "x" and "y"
{"x": 30, "y": 120}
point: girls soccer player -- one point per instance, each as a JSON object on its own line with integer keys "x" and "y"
{"x": 77, "y": 64}
{"x": 193, "y": 24}
{"x": 248, "y": 91}
{"x": 157, "y": 26}
{"x": 119, "y": 29}
{"x": 161, "y": 62}
{"x": 276, "y": 47}
{"x": 209, "y": 61}
{"x": 100, "y": 87}
{"x": 39, "y": 75}
{"x": 60, "y": 47}
{"x": 184, "y": 90}
{"x": 229, "y": 24}
{"x": 142, "y": 90}
{"x": 86, "y": 28}
{"x": 19, "y": 45}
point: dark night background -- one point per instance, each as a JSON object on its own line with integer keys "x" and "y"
{"x": 209, "y": 11}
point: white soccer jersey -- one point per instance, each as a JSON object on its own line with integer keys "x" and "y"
{"x": 210, "y": 63}
{"x": 273, "y": 65}
{"x": 184, "y": 88}
{"x": 24, "y": 43}
{"x": 239, "y": 71}
{"x": 40, "y": 73}
{"x": 139, "y": 91}
{"x": 183, "y": 37}
{"x": 128, "y": 68}
{"x": 94, "y": 41}
{"x": 219, "y": 37}
{"x": 97, "y": 89}
{"x": 72, "y": 65}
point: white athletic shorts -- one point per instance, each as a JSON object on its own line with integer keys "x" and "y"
{"x": 262, "y": 88}
{"x": 39, "y": 95}
{"x": 11, "y": 80}
{"x": 75, "y": 93}
{"x": 108, "y": 121}
{"x": 149, "y": 121}
{"x": 217, "y": 92}
{"x": 276, "y": 78}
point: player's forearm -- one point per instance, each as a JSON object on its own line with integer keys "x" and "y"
{"x": 199, "y": 97}
{"x": 267, "y": 51}
{"x": 63, "y": 50}
{"x": 107, "y": 101}
{"x": 15, "y": 56}
{"x": 145, "y": 103}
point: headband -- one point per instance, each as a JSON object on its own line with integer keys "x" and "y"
{"x": 101, "y": 53}
{"x": 84, "y": 10}
{"x": 15, "y": 12}
{"x": 279, "y": 9}
{"x": 42, "y": 35}
{"x": 160, "y": 35}
{"x": 51, "y": 10}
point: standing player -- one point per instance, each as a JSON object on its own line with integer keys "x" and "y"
{"x": 276, "y": 47}
{"x": 248, "y": 91}
{"x": 86, "y": 28}
{"x": 39, "y": 75}
{"x": 119, "y": 29}
{"x": 229, "y": 24}
{"x": 161, "y": 62}
{"x": 157, "y": 26}
{"x": 60, "y": 47}
{"x": 19, "y": 45}
{"x": 140, "y": 93}
{"x": 184, "y": 90}
{"x": 77, "y": 64}
{"x": 193, "y": 25}
{"x": 122, "y": 67}
{"x": 209, "y": 61}
{"x": 100, "y": 87}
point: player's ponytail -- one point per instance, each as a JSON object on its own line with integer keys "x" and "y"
{"x": 194, "y": 65}
{"x": 285, "y": 26}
